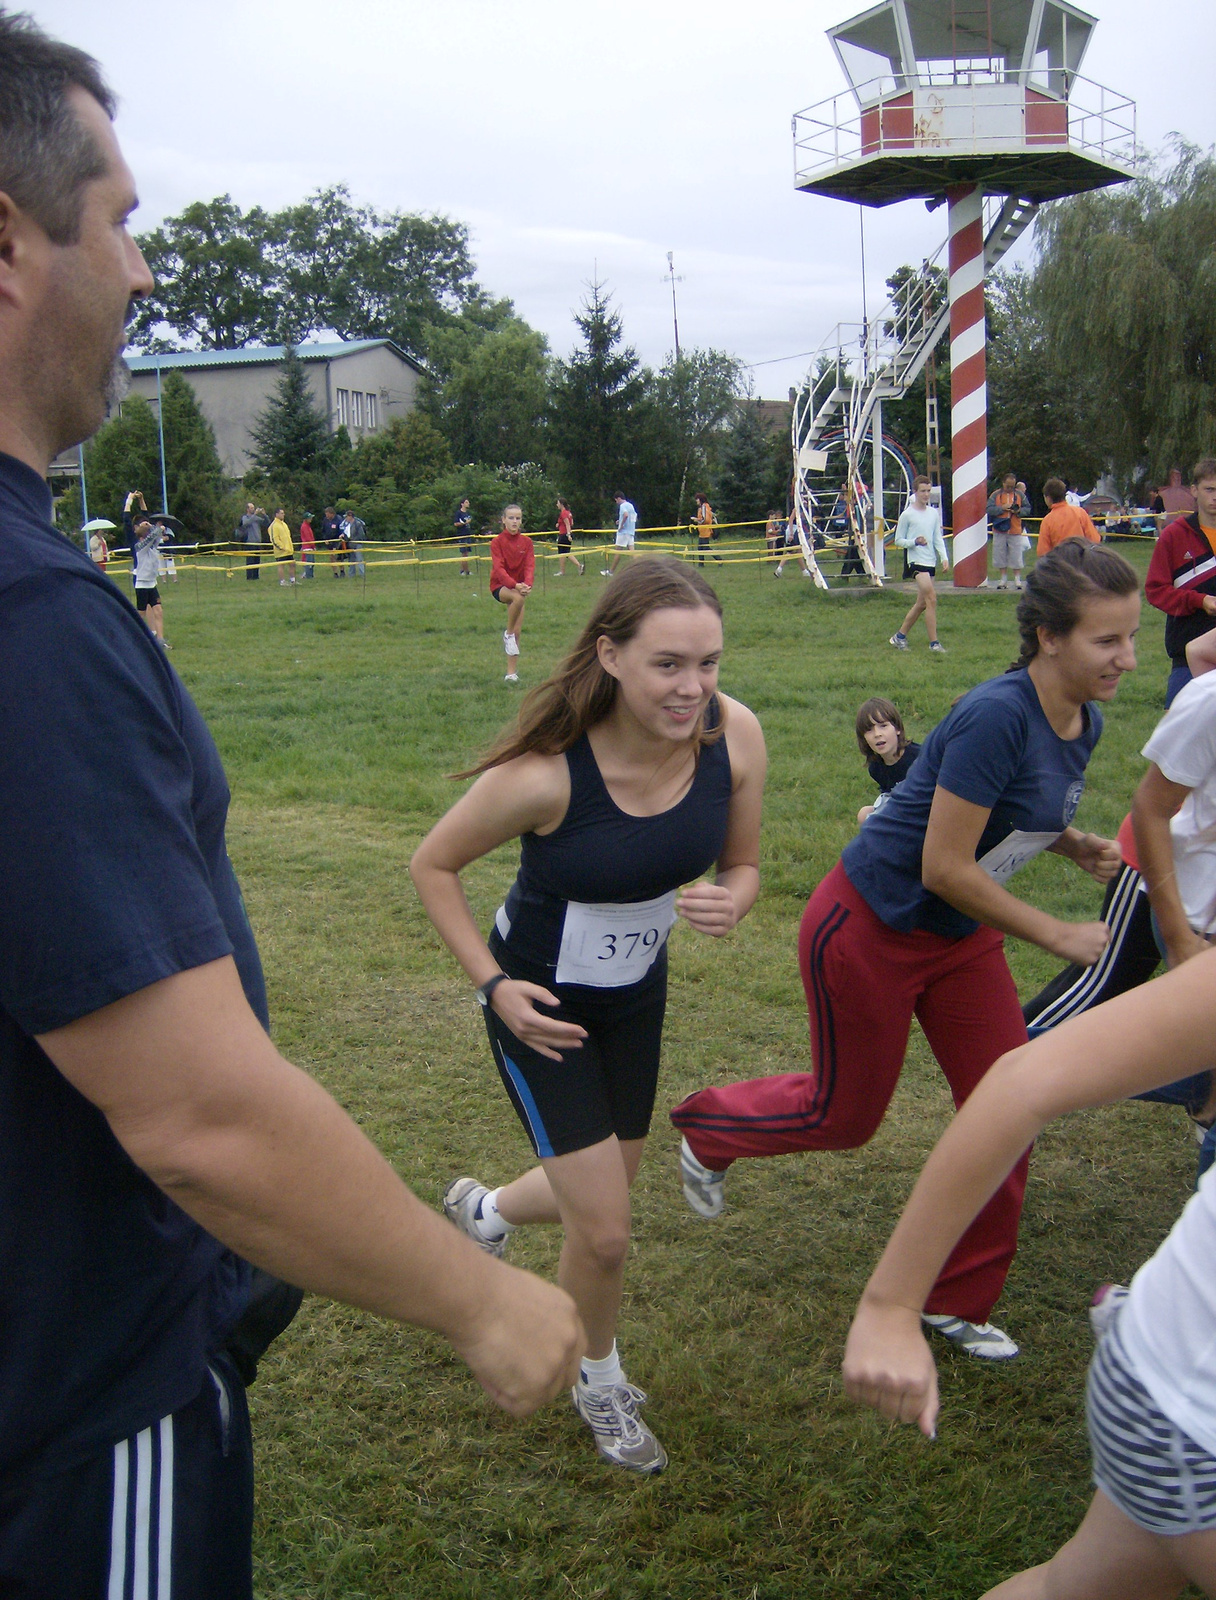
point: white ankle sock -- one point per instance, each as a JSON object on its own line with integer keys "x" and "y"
{"x": 601, "y": 1374}
{"x": 491, "y": 1224}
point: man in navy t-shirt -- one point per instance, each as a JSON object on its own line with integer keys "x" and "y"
{"x": 152, "y": 1140}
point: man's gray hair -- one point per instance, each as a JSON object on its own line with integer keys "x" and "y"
{"x": 46, "y": 155}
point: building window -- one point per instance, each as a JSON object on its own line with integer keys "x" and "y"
{"x": 372, "y": 421}
{"x": 356, "y": 403}
{"x": 343, "y": 408}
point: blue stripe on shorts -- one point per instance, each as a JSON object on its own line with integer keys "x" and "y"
{"x": 1156, "y": 1475}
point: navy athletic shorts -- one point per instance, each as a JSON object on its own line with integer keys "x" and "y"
{"x": 608, "y": 1086}
{"x": 164, "y": 1515}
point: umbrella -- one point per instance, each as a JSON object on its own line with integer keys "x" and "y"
{"x": 166, "y": 521}
{"x": 98, "y": 525}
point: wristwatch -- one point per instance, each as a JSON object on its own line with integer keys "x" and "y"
{"x": 485, "y": 990}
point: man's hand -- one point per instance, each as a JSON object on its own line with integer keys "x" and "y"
{"x": 516, "y": 1002}
{"x": 888, "y": 1365}
{"x": 708, "y": 907}
{"x": 1209, "y": 604}
{"x": 524, "y": 1346}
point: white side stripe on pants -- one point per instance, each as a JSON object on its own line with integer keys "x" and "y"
{"x": 141, "y": 1521}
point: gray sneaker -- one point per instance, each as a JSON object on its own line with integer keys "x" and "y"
{"x": 704, "y": 1189}
{"x": 620, "y": 1434}
{"x": 898, "y": 640}
{"x": 461, "y": 1199}
{"x": 976, "y": 1338}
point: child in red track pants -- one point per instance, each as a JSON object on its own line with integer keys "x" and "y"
{"x": 864, "y": 983}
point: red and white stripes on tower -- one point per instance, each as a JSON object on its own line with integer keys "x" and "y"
{"x": 968, "y": 387}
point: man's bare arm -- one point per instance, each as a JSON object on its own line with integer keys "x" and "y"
{"x": 257, "y": 1153}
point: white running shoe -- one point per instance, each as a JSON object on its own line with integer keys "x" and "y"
{"x": 899, "y": 640}
{"x": 976, "y": 1338}
{"x": 620, "y": 1434}
{"x": 1104, "y": 1307}
{"x": 511, "y": 644}
{"x": 511, "y": 677}
{"x": 461, "y": 1199}
{"x": 605, "y": 572}
{"x": 704, "y": 1189}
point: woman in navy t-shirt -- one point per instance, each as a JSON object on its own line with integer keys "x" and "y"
{"x": 628, "y": 776}
{"x": 911, "y": 921}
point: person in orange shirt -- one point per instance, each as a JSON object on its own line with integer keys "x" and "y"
{"x": 1062, "y": 520}
{"x": 1006, "y": 508}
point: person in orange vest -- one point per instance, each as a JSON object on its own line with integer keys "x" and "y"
{"x": 1062, "y": 520}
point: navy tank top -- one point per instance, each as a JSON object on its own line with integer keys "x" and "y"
{"x": 601, "y": 855}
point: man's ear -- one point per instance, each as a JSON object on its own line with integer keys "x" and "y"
{"x": 20, "y": 238}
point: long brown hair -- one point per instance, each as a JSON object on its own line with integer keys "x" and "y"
{"x": 580, "y": 693}
{"x": 1058, "y": 586}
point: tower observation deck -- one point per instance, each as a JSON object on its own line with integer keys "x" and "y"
{"x": 953, "y": 100}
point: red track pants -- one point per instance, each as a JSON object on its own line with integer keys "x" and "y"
{"x": 864, "y": 983}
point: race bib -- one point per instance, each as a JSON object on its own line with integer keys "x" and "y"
{"x": 608, "y": 946}
{"x": 1013, "y": 852}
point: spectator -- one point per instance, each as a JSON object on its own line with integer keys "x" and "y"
{"x": 249, "y": 533}
{"x": 308, "y": 545}
{"x": 1063, "y": 521}
{"x": 354, "y": 531}
{"x": 99, "y": 550}
{"x": 153, "y": 1138}
{"x": 331, "y": 538}
{"x": 284, "y": 550}
{"x": 462, "y": 525}
{"x": 1181, "y": 578}
{"x": 1006, "y": 508}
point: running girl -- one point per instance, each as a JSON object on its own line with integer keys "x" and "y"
{"x": 919, "y": 534}
{"x": 628, "y": 776}
{"x": 910, "y": 922}
{"x": 565, "y": 522}
{"x": 1151, "y": 1402}
{"x": 512, "y": 568}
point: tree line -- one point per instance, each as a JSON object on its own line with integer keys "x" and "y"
{"x": 1101, "y": 359}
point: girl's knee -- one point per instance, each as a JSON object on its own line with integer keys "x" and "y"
{"x": 604, "y": 1244}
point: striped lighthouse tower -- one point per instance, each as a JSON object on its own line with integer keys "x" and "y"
{"x": 968, "y": 388}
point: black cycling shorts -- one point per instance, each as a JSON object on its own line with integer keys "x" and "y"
{"x": 145, "y": 598}
{"x": 608, "y": 1086}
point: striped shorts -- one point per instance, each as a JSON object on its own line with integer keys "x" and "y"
{"x": 1158, "y": 1477}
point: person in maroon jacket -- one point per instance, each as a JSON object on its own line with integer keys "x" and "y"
{"x": 512, "y": 567}
{"x": 1181, "y": 577}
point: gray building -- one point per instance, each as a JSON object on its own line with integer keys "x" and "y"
{"x": 359, "y": 384}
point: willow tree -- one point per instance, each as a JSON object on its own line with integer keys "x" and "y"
{"x": 1126, "y": 286}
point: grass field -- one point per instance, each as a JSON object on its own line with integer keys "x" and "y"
{"x": 382, "y": 1470}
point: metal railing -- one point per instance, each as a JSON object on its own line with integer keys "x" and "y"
{"x": 997, "y": 112}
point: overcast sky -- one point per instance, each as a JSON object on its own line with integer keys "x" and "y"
{"x": 572, "y": 138}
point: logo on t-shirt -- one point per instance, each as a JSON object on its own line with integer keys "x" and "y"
{"x": 1072, "y": 800}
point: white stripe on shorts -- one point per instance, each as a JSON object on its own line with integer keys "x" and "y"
{"x": 141, "y": 1517}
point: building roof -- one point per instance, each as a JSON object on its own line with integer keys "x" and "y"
{"x": 261, "y": 354}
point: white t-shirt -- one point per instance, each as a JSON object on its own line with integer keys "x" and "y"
{"x": 1168, "y": 1322}
{"x": 1183, "y": 744}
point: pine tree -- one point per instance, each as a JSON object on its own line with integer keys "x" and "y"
{"x": 743, "y": 489}
{"x": 192, "y": 464}
{"x": 291, "y": 435}
{"x": 597, "y": 410}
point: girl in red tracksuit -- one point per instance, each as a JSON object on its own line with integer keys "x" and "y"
{"x": 512, "y": 568}
{"x": 911, "y": 920}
